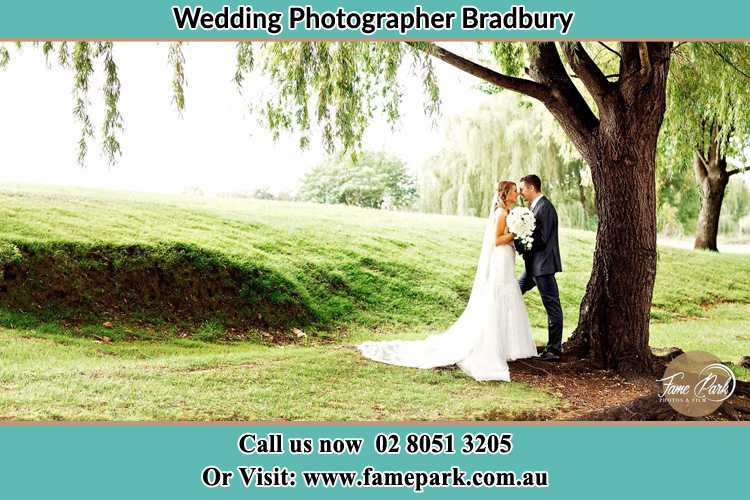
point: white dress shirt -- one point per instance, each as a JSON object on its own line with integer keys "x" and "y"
{"x": 536, "y": 200}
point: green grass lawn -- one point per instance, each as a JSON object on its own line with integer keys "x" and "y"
{"x": 363, "y": 274}
{"x": 48, "y": 377}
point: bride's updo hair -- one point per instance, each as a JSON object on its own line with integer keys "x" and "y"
{"x": 503, "y": 189}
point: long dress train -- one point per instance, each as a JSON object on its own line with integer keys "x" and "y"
{"x": 493, "y": 329}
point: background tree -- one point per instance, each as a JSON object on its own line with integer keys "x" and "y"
{"x": 263, "y": 193}
{"x": 505, "y": 138}
{"x": 707, "y": 123}
{"x": 370, "y": 179}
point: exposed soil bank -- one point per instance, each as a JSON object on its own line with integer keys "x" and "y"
{"x": 171, "y": 282}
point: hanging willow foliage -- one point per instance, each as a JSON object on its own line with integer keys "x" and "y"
{"x": 82, "y": 70}
{"x": 81, "y": 60}
{"x": 4, "y": 57}
{"x": 502, "y": 139}
{"x": 176, "y": 60}
{"x": 63, "y": 56}
{"x": 339, "y": 86}
{"x": 244, "y": 62}
{"x": 112, "y": 123}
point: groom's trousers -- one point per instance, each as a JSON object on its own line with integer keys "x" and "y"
{"x": 547, "y": 285}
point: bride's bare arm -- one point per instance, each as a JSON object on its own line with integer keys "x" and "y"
{"x": 500, "y": 237}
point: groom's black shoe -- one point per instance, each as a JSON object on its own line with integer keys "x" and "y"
{"x": 550, "y": 356}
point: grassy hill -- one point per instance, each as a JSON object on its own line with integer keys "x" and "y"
{"x": 248, "y": 263}
{"x": 172, "y": 272}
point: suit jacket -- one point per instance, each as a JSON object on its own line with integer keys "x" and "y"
{"x": 544, "y": 255}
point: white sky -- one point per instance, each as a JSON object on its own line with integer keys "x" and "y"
{"x": 217, "y": 144}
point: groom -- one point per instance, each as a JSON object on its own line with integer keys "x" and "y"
{"x": 542, "y": 261}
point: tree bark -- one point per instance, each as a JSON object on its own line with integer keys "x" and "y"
{"x": 614, "y": 316}
{"x": 613, "y": 327}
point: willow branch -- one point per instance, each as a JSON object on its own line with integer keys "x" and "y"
{"x": 630, "y": 57}
{"x": 610, "y": 49}
{"x": 645, "y": 59}
{"x": 727, "y": 61}
{"x": 568, "y": 105}
{"x": 674, "y": 49}
{"x": 700, "y": 166}
{"x": 587, "y": 70}
{"x": 528, "y": 87}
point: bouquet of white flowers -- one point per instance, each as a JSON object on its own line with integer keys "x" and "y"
{"x": 521, "y": 222}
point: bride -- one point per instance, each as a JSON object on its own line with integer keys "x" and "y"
{"x": 493, "y": 329}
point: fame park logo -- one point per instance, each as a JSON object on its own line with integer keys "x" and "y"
{"x": 696, "y": 383}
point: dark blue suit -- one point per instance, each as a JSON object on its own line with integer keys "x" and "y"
{"x": 542, "y": 262}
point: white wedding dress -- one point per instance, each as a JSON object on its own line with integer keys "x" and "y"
{"x": 493, "y": 329}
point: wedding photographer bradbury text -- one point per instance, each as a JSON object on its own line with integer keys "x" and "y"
{"x": 280, "y": 476}
{"x": 367, "y": 23}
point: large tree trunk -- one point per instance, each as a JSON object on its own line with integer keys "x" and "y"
{"x": 614, "y": 316}
{"x": 613, "y": 327}
{"x": 712, "y": 177}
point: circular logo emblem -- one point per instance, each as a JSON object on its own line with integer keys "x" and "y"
{"x": 696, "y": 383}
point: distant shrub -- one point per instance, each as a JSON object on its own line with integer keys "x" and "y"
{"x": 372, "y": 180}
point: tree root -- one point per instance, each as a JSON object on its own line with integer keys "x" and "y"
{"x": 650, "y": 408}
